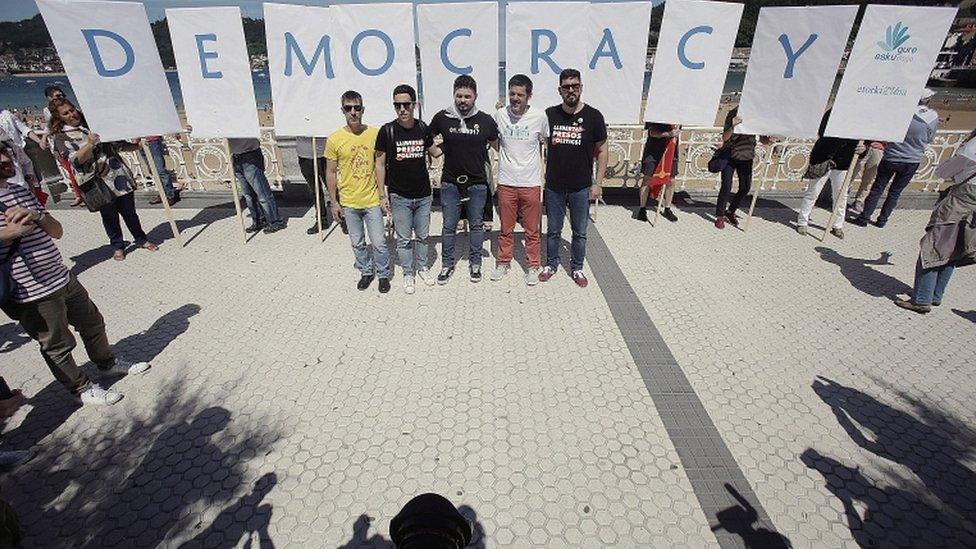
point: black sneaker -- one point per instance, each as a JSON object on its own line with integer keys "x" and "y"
{"x": 342, "y": 225}
{"x": 384, "y": 285}
{"x": 313, "y": 229}
{"x": 273, "y": 228}
{"x": 445, "y": 275}
{"x": 155, "y": 199}
{"x": 669, "y": 215}
{"x": 364, "y": 282}
{"x": 860, "y": 222}
{"x": 642, "y": 214}
{"x": 475, "y": 272}
{"x": 255, "y": 227}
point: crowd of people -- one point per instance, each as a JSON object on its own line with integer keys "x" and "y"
{"x": 369, "y": 173}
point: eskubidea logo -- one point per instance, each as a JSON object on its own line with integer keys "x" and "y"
{"x": 893, "y": 47}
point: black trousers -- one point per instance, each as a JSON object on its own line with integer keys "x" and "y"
{"x": 307, "y": 166}
{"x": 124, "y": 206}
{"x": 742, "y": 168}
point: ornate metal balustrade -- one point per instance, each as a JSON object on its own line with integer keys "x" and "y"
{"x": 203, "y": 164}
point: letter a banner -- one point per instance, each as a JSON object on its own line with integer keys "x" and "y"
{"x": 692, "y": 61}
{"x": 617, "y": 57}
{"x": 375, "y": 52}
{"x": 792, "y": 68}
{"x": 111, "y": 59}
{"x": 543, "y": 38}
{"x": 893, "y": 55}
{"x": 458, "y": 39}
{"x": 301, "y": 64}
{"x": 215, "y": 71}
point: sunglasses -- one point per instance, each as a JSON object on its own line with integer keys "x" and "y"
{"x": 350, "y": 108}
{"x": 404, "y": 105}
{"x": 570, "y": 87}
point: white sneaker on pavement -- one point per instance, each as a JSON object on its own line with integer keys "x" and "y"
{"x": 408, "y": 285}
{"x": 501, "y": 270}
{"x": 96, "y": 395}
{"x": 428, "y": 277}
{"x": 532, "y": 276}
{"x": 123, "y": 367}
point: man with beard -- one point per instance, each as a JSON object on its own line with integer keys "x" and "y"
{"x": 467, "y": 133}
{"x": 46, "y": 298}
{"x": 578, "y": 135}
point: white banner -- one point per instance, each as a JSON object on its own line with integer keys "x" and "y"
{"x": 215, "y": 71}
{"x": 893, "y": 55}
{"x": 795, "y": 55}
{"x": 110, "y": 57}
{"x": 374, "y": 53}
{"x": 301, "y": 64}
{"x": 617, "y": 56}
{"x": 692, "y": 61}
{"x": 458, "y": 39}
{"x": 541, "y": 39}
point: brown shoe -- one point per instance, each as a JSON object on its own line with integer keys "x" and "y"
{"x": 733, "y": 219}
{"x": 720, "y": 222}
{"x": 912, "y": 306}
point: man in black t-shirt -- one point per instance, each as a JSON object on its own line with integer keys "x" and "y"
{"x": 401, "y": 151}
{"x": 578, "y": 134}
{"x": 467, "y": 134}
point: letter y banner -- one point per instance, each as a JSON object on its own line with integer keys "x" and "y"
{"x": 109, "y": 55}
{"x": 795, "y": 55}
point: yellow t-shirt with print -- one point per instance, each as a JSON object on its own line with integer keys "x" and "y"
{"x": 357, "y": 176}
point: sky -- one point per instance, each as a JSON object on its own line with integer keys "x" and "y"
{"x": 17, "y": 10}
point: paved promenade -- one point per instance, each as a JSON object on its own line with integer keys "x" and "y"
{"x": 708, "y": 389}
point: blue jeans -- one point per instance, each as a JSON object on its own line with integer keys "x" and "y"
{"x": 249, "y": 169}
{"x": 474, "y": 207}
{"x": 579, "y": 211}
{"x": 368, "y": 220}
{"x": 930, "y": 284}
{"x": 902, "y": 173}
{"x": 165, "y": 176}
{"x": 411, "y": 216}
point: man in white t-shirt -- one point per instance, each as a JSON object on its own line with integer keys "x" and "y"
{"x": 523, "y": 130}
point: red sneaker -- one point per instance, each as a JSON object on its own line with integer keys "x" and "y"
{"x": 720, "y": 222}
{"x": 546, "y": 274}
{"x": 580, "y": 279}
{"x": 730, "y": 215}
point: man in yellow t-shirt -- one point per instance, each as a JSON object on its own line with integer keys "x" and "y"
{"x": 351, "y": 173}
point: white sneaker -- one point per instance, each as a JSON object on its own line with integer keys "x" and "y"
{"x": 13, "y": 458}
{"x": 501, "y": 270}
{"x": 532, "y": 276}
{"x": 408, "y": 286}
{"x": 123, "y": 367}
{"x": 96, "y": 395}
{"x": 428, "y": 277}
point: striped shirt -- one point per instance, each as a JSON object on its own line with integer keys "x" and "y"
{"x": 38, "y": 270}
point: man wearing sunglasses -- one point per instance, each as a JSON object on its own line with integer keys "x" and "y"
{"x": 578, "y": 134}
{"x": 467, "y": 133}
{"x": 401, "y": 166}
{"x": 350, "y": 175}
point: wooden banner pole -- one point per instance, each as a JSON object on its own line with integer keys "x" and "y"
{"x": 317, "y": 185}
{"x": 157, "y": 180}
{"x": 233, "y": 186}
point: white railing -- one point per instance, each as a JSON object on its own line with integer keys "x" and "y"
{"x": 203, "y": 164}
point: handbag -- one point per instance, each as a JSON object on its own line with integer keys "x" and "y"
{"x": 816, "y": 171}
{"x": 720, "y": 159}
{"x": 95, "y": 192}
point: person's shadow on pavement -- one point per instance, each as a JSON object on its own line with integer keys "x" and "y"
{"x": 860, "y": 274}
{"x": 361, "y": 538}
{"x": 740, "y": 520}
{"x": 246, "y": 519}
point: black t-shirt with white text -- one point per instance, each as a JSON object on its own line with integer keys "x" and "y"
{"x": 406, "y": 163}
{"x": 572, "y": 147}
{"x": 465, "y": 149}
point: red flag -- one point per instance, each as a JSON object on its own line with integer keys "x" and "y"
{"x": 662, "y": 173}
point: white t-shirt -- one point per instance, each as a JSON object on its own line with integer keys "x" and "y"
{"x": 519, "y": 159}
{"x": 14, "y": 127}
